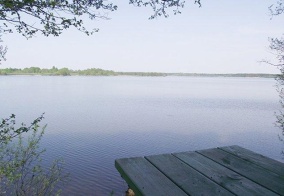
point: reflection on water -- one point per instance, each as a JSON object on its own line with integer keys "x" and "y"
{"x": 94, "y": 120}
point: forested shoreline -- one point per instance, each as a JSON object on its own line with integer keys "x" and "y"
{"x": 54, "y": 71}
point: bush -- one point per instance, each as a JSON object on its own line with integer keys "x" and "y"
{"x": 21, "y": 170}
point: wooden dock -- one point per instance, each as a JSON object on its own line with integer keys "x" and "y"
{"x": 230, "y": 170}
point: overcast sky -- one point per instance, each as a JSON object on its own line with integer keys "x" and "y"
{"x": 224, "y": 36}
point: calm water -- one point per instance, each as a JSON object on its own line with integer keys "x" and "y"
{"x": 94, "y": 120}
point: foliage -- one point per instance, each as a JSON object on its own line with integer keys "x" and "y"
{"x": 160, "y": 7}
{"x": 55, "y": 71}
{"x": 277, "y": 48}
{"x": 21, "y": 171}
{"x": 63, "y": 72}
{"x": 49, "y": 17}
{"x": 100, "y": 72}
{"x": 277, "y": 8}
{"x": 95, "y": 72}
{"x": 52, "y": 17}
{"x": 3, "y": 50}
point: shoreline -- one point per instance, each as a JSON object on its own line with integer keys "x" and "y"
{"x": 145, "y": 74}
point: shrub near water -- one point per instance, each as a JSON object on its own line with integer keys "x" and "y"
{"x": 21, "y": 171}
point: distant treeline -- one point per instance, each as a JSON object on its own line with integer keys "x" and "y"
{"x": 56, "y": 72}
{"x": 100, "y": 72}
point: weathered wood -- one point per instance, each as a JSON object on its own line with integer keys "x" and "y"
{"x": 145, "y": 179}
{"x": 187, "y": 178}
{"x": 226, "y": 178}
{"x": 228, "y": 170}
{"x": 264, "y": 177}
{"x": 258, "y": 159}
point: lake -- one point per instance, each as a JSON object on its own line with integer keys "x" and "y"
{"x": 91, "y": 121}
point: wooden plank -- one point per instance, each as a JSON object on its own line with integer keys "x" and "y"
{"x": 226, "y": 178}
{"x": 251, "y": 171}
{"x": 258, "y": 159}
{"x": 145, "y": 179}
{"x": 187, "y": 178}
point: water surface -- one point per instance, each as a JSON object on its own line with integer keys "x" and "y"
{"x": 94, "y": 120}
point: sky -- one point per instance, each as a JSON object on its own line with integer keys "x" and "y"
{"x": 224, "y": 36}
